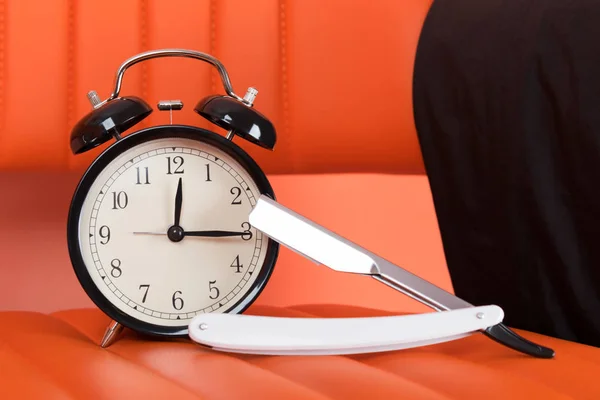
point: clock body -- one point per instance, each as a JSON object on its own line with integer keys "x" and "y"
{"x": 125, "y": 204}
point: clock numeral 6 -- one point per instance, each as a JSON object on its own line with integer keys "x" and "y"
{"x": 120, "y": 200}
{"x": 177, "y": 163}
{"x": 212, "y": 288}
{"x": 116, "y": 272}
{"x": 237, "y": 192}
{"x": 177, "y": 301}
{"x": 247, "y": 232}
{"x": 104, "y": 233}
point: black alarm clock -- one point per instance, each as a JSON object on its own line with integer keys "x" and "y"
{"x": 158, "y": 229}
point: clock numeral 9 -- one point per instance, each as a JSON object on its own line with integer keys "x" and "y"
{"x": 104, "y": 233}
{"x": 139, "y": 180}
{"x": 120, "y": 200}
{"x": 176, "y": 162}
{"x": 247, "y": 232}
{"x": 237, "y": 192}
{"x": 116, "y": 272}
{"x": 212, "y": 288}
{"x": 177, "y": 301}
{"x": 236, "y": 264}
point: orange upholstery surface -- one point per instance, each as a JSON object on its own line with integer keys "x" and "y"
{"x": 60, "y": 353}
{"x": 47, "y": 340}
{"x": 335, "y": 77}
{"x": 390, "y": 214}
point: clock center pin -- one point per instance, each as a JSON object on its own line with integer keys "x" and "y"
{"x": 175, "y": 233}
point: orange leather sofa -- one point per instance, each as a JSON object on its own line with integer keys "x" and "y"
{"x": 335, "y": 78}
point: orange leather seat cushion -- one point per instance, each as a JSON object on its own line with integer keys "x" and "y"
{"x": 49, "y": 341}
{"x": 392, "y": 215}
{"x": 60, "y": 353}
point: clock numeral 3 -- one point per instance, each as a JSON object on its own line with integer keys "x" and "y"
{"x": 237, "y": 192}
{"x": 177, "y": 163}
{"x": 120, "y": 200}
{"x": 212, "y": 288}
{"x": 236, "y": 264}
{"x": 247, "y": 232}
{"x": 116, "y": 272}
{"x": 145, "y": 293}
{"x": 139, "y": 180}
{"x": 177, "y": 301}
{"x": 104, "y": 233}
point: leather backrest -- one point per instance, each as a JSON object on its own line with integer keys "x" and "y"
{"x": 335, "y": 77}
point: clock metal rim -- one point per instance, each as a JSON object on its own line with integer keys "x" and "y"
{"x": 102, "y": 161}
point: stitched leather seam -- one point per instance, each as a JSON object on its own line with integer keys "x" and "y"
{"x": 2, "y": 65}
{"x": 370, "y": 359}
{"x": 283, "y": 379}
{"x": 419, "y": 387}
{"x": 349, "y": 358}
{"x": 71, "y": 74}
{"x": 144, "y": 84}
{"x": 403, "y": 382}
{"x": 284, "y": 94}
{"x": 155, "y": 373}
{"x": 457, "y": 360}
{"x": 90, "y": 340}
{"x": 233, "y": 358}
{"x": 36, "y": 371}
{"x": 212, "y": 42}
{"x": 32, "y": 361}
{"x": 247, "y": 359}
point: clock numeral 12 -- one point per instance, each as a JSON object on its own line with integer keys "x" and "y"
{"x": 177, "y": 161}
{"x": 139, "y": 180}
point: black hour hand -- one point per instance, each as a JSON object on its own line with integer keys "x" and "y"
{"x": 178, "y": 203}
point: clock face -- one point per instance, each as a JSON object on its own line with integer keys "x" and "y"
{"x": 142, "y": 260}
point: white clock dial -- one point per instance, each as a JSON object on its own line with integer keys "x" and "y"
{"x": 123, "y": 232}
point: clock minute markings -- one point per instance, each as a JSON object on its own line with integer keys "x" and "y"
{"x": 245, "y": 233}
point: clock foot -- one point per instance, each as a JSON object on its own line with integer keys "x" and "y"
{"x": 111, "y": 334}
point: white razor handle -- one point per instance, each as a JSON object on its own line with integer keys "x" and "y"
{"x": 238, "y": 333}
{"x": 327, "y": 248}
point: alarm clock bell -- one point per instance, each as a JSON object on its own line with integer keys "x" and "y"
{"x": 107, "y": 121}
{"x": 110, "y": 118}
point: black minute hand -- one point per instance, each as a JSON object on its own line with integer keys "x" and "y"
{"x": 214, "y": 233}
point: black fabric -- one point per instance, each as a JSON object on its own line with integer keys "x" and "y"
{"x": 507, "y": 109}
